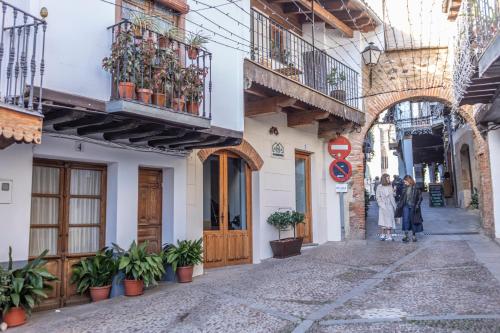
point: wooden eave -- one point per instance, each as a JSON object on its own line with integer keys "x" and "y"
{"x": 314, "y": 99}
{"x": 178, "y": 5}
{"x": 19, "y": 125}
{"x": 481, "y": 90}
{"x": 131, "y": 123}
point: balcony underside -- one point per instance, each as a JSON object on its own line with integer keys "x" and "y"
{"x": 271, "y": 92}
{"x": 481, "y": 90}
{"x": 19, "y": 125}
{"x": 131, "y": 124}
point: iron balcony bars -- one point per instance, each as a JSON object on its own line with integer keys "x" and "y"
{"x": 284, "y": 52}
{"x": 485, "y": 23}
{"x": 22, "y": 44}
{"x": 185, "y": 77}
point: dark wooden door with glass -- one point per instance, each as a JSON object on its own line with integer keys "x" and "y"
{"x": 303, "y": 194}
{"x": 149, "y": 208}
{"x": 227, "y": 229}
{"x": 68, "y": 219}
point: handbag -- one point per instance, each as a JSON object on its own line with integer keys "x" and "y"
{"x": 399, "y": 209}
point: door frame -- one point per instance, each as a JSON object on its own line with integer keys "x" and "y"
{"x": 161, "y": 201}
{"x": 306, "y": 156}
{"x": 223, "y": 211}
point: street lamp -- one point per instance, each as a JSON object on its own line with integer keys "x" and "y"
{"x": 371, "y": 55}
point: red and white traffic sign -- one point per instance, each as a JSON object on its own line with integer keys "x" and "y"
{"x": 340, "y": 170}
{"x": 339, "y": 147}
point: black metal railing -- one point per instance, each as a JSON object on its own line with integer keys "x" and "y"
{"x": 283, "y": 51}
{"x": 151, "y": 68}
{"x": 22, "y": 48}
{"x": 485, "y": 22}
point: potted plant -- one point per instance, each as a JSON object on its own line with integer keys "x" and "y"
{"x": 194, "y": 87}
{"x": 179, "y": 81}
{"x": 287, "y": 247}
{"x": 122, "y": 64}
{"x": 334, "y": 79}
{"x": 95, "y": 274}
{"x": 183, "y": 257}
{"x": 141, "y": 22}
{"x": 144, "y": 74}
{"x": 140, "y": 268}
{"x": 166, "y": 38}
{"x": 195, "y": 42}
{"x": 22, "y": 289}
{"x": 163, "y": 78}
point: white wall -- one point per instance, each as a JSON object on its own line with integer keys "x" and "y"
{"x": 494, "y": 147}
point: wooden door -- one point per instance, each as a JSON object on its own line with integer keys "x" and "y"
{"x": 68, "y": 219}
{"x": 226, "y": 210}
{"x": 149, "y": 208}
{"x": 303, "y": 194}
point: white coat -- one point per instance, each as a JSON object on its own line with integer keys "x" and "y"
{"x": 386, "y": 206}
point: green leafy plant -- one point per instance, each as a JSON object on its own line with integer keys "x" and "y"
{"x": 96, "y": 271}
{"x": 164, "y": 72}
{"x": 25, "y": 287}
{"x": 172, "y": 33}
{"x": 197, "y": 40}
{"x": 186, "y": 253}
{"x": 193, "y": 77}
{"x": 335, "y": 78}
{"x": 122, "y": 63}
{"x": 137, "y": 264}
{"x": 142, "y": 22}
{"x": 474, "y": 203}
{"x": 295, "y": 219}
{"x": 146, "y": 54}
{"x": 284, "y": 220}
{"x": 367, "y": 202}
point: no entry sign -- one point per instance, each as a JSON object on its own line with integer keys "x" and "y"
{"x": 339, "y": 147}
{"x": 340, "y": 170}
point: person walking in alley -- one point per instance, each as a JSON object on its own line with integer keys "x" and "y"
{"x": 409, "y": 209}
{"x": 386, "y": 207}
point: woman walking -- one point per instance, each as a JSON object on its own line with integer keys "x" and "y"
{"x": 409, "y": 209}
{"x": 386, "y": 207}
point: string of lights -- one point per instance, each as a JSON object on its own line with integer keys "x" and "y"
{"x": 220, "y": 11}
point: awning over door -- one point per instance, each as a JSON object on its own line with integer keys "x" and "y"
{"x": 19, "y": 125}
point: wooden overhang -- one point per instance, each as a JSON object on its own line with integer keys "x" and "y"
{"x": 451, "y": 7}
{"x": 178, "y": 5}
{"x": 481, "y": 90}
{"x": 19, "y": 125}
{"x": 131, "y": 123}
{"x": 344, "y": 15}
{"x": 273, "y": 92}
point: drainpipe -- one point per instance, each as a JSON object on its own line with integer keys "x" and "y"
{"x": 313, "y": 44}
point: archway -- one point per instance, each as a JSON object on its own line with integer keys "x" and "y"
{"x": 374, "y": 106}
{"x": 244, "y": 150}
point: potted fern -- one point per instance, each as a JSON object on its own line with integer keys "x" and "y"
{"x": 195, "y": 42}
{"x": 335, "y": 79}
{"x": 184, "y": 257}
{"x": 282, "y": 221}
{"x": 22, "y": 289}
{"x": 95, "y": 274}
{"x": 139, "y": 267}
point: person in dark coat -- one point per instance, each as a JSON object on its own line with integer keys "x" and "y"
{"x": 398, "y": 186}
{"x": 409, "y": 208}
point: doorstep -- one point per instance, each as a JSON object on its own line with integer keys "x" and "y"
{"x": 309, "y": 245}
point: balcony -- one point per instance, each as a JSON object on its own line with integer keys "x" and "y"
{"x": 160, "y": 96}
{"x": 22, "y": 48}
{"x": 476, "y": 73}
{"x": 283, "y": 65}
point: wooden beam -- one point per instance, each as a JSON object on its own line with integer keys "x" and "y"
{"x": 188, "y": 138}
{"x": 81, "y": 122}
{"x": 329, "y": 128}
{"x": 134, "y": 133}
{"x": 163, "y": 135}
{"x": 268, "y": 105}
{"x": 306, "y": 117}
{"x": 107, "y": 127}
{"x": 61, "y": 116}
{"x": 328, "y": 17}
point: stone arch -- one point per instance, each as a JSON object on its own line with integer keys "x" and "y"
{"x": 244, "y": 150}
{"x": 374, "y": 106}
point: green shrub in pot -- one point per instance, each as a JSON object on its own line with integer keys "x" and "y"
{"x": 184, "y": 256}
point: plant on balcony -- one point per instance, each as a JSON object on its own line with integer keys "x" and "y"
{"x": 140, "y": 267}
{"x": 194, "y": 87}
{"x": 22, "y": 289}
{"x": 335, "y": 79}
{"x": 141, "y": 22}
{"x": 122, "y": 63}
{"x": 146, "y": 53}
{"x": 164, "y": 76}
{"x": 95, "y": 274}
{"x": 184, "y": 257}
{"x": 169, "y": 35}
{"x": 287, "y": 247}
{"x": 195, "y": 42}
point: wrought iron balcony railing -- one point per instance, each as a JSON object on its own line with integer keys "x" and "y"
{"x": 485, "y": 23}
{"x": 150, "y": 68}
{"x": 286, "y": 53}
{"x": 22, "y": 64}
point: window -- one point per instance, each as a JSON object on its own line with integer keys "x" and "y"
{"x": 164, "y": 17}
{"x": 385, "y": 162}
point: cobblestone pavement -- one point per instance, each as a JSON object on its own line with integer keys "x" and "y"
{"x": 446, "y": 282}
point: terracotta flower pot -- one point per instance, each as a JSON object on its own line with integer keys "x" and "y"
{"x": 178, "y": 104}
{"x": 193, "y": 108}
{"x": 164, "y": 42}
{"x": 15, "y": 317}
{"x": 159, "y": 99}
{"x": 133, "y": 287}
{"x": 126, "y": 90}
{"x": 144, "y": 95}
{"x": 99, "y": 293}
{"x": 193, "y": 53}
{"x": 185, "y": 274}
{"x": 286, "y": 247}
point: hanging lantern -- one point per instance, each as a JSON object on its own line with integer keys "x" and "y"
{"x": 371, "y": 55}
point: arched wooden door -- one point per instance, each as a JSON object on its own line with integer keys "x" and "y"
{"x": 227, "y": 226}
